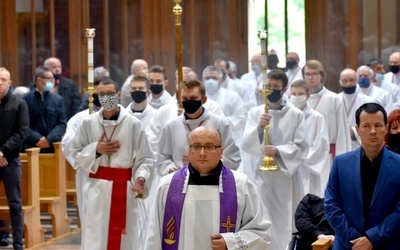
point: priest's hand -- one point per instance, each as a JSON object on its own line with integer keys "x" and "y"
{"x": 270, "y": 150}
{"x": 43, "y": 143}
{"x": 361, "y": 243}
{"x": 139, "y": 186}
{"x": 173, "y": 169}
{"x": 264, "y": 120}
{"x": 218, "y": 242}
{"x": 108, "y": 148}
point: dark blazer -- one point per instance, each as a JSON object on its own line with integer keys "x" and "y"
{"x": 344, "y": 202}
{"x": 70, "y": 93}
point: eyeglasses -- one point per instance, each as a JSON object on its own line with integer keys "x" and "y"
{"x": 311, "y": 75}
{"x": 195, "y": 148}
{"x": 48, "y": 78}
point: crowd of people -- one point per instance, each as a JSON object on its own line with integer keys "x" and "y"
{"x": 146, "y": 167}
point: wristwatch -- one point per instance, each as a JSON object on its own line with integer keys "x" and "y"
{"x": 1, "y": 154}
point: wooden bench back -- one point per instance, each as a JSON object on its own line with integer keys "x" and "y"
{"x": 29, "y": 179}
{"x": 70, "y": 175}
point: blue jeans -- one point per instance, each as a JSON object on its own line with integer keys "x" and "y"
{"x": 11, "y": 177}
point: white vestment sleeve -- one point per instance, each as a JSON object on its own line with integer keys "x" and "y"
{"x": 231, "y": 154}
{"x": 254, "y": 231}
{"x": 165, "y": 152}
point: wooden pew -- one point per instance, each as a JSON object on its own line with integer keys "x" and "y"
{"x": 321, "y": 244}
{"x": 53, "y": 189}
{"x": 30, "y": 199}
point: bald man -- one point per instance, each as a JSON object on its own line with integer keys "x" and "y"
{"x": 394, "y": 63}
{"x": 138, "y": 67}
{"x": 206, "y": 205}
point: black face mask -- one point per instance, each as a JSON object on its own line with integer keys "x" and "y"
{"x": 191, "y": 106}
{"x": 96, "y": 101}
{"x": 349, "y": 90}
{"x": 394, "y": 141}
{"x": 291, "y": 64}
{"x": 138, "y": 96}
{"x": 395, "y": 69}
{"x": 156, "y": 88}
{"x": 274, "y": 96}
{"x": 56, "y": 76}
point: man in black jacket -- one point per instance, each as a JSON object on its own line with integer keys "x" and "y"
{"x": 46, "y": 112}
{"x": 64, "y": 87}
{"x": 14, "y": 124}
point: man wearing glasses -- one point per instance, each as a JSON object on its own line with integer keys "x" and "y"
{"x": 47, "y": 119}
{"x": 205, "y": 205}
{"x": 330, "y": 106}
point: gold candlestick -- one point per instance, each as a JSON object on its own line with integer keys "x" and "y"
{"x": 90, "y": 33}
{"x": 178, "y": 38}
{"x": 267, "y": 160}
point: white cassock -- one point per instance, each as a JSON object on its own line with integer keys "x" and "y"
{"x": 200, "y": 217}
{"x": 249, "y": 100}
{"x": 330, "y": 106}
{"x": 381, "y": 96}
{"x": 293, "y": 75}
{"x": 232, "y": 106}
{"x": 316, "y": 166}
{"x": 351, "y": 102}
{"x": 134, "y": 153}
{"x": 145, "y": 116}
{"x": 173, "y": 144}
{"x": 392, "y": 78}
{"x": 126, "y": 92}
{"x": 168, "y": 112}
{"x": 81, "y": 176}
{"x": 393, "y": 89}
{"x": 254, "y": 84}
{"x": 157, "y": 103}
{"x": 280, "y": 191}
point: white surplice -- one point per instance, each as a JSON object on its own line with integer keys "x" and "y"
{"x": 126, "y": 91}
{"x": 145, "y": 116}
{"x": 200, "y": 217}
{"x": 134, "y": 153}
{"x": 330, "y": 106}
{"x": 282, "y": 190}
{"x": 393, "y": 89}
{"x": 249, "y": 99}
{"x": 381, "y": 96}
{"x": 81, "y": 176}
{"x": 293, "y": 75}
{"x": 173, "y": 144}
{"x": 232, "y": 106}
{"x": 316, "y": 167}
{"x": 392, "y": 78}
{"x": 157, "y": 103}
{"x": 253, "y": 83}
{"x": 351, "y": 102}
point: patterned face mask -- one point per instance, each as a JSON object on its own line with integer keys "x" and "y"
{"x": 108, "y": 102}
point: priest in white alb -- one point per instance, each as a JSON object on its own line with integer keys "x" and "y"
{"x": 282, "y": 190}
{"x": 111, "y": 146}
{"x": 205, "y": 205}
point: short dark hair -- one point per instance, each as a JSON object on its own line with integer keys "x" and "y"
{"x": 278, "y": 74}
{"x": 159, "y": 69}
{"x": 107, "y": 81}
{"x": 373, "y": 62}
{"x": 139, "y": 78}
{"x": 370, "y": 108}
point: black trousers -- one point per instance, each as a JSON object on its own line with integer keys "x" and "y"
{"x": 11, "y": 177}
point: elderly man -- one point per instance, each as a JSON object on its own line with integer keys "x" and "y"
{"x": 362, "y": 197}
{"x": 138, "y": 67}
{"x": 64, "y": 87}
{"x": 394, "y": 63}
{"x": 205, "y": 205}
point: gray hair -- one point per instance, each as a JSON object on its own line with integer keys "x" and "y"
{"x": 214, "y": 69}
{"x": 99, "y": 73}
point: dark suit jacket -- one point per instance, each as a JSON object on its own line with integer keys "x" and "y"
{"x": 70, "y": 93}
{"x": 344, "y": 202}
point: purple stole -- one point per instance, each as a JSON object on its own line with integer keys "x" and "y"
{"x": 176, "y": 198}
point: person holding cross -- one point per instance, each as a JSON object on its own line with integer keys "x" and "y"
{"x": 205, "y": 205}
